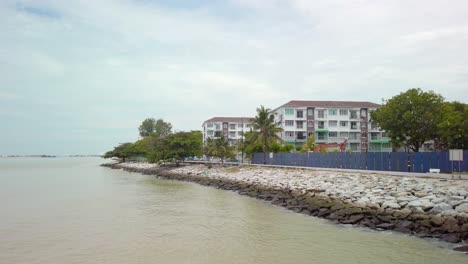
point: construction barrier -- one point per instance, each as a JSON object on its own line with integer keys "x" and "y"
{"x": 381, "y": 161}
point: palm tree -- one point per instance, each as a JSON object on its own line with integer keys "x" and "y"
{"x": 265, "y": 130}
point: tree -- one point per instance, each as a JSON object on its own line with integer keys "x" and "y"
{"x": 125, "y": 151}
{"x": 179, "y": 146}
{"x": 219, "y": 148}
{"x": 156, "y": 128}
{"x": 453, "y": 129}
{"x": 310, "y": 144}
{"x": 410, "y": 118}
{"x": 147, "y": 127}
{"x": 162, "y": 129}
{"x": 265, "y": 130}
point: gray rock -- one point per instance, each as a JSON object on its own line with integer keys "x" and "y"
{"x": 438, "y": 200}
{"x": 391, "y": 204}
{"x": 441, "y": 207}
{"x": 463, "y": 208}
{"x": 463, "y": 193}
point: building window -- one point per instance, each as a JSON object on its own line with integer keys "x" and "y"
{"x": 210, "y": 125}
{"x": 384, "y": 134}
{"x": 310, "y": 123}
{"x": 210, "y": 133}
{"x": 240, "y": 125}
{"x": 344, "y": 134}
{"x": 353, "y": 113}
{"x": 299, "y": 124}
{"x": 353, "y": 136}
{"x": 354, "y": 125}
{"x": 299, "y": 114}
{"x": 289, "y": 134}
{"x": 321, "y": 113}
{"x": 247, "y": 125}
{"x": 301, "y": 135}
{"x": 322, "y": 135}
{"x": 386, "y": 145}
{"x": 332, "y": 112}
{"x": 332, "y": 123}
{"x": 321, "y": 124}
{"x": 232, "y": 126}
{"x": 218, "y": 126}
{"x": 217, "y": 134}
{"x": 289, "y": 111}
{"x": 374, "y": 126}
{"x": 232, "y": 134}
{"x": 240, "y": 133}
{"x": 289, "y": 122}
{"x": 363, "y": 113}
{"x": 343, "y": 112}
{"x": 375, "y": 147}
{"x": 333, "y": 134}
{"x": 375, "y": 136}
{"x": 343, "y": 123}
{"x": 310, "y": 112}
{"x": 354, "y": 146}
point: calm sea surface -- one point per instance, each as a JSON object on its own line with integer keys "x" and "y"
{"x": 70, "y": 210}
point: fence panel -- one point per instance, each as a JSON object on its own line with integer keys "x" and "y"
{"x": 465, "y": 160}
{"x": 426, "y": 161}
{"x": 378, "y": 161}
{"x": 394, "y": 161}
{"x": 370, "y": 160}
{"x": 417, "y": 162}
{"x": 444, "y": 163}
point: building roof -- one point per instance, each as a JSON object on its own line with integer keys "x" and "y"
{"x": 296, "y": 103}
{"x": 230, "y": 119}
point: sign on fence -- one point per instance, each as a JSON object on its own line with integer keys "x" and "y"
{"x": 456, "y": 154}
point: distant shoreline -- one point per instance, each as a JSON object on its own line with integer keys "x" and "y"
{"x": 48, "y": 156}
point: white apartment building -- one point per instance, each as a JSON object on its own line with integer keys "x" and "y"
{"x": 233, "y": 128}
{"x": 330, "y": 122}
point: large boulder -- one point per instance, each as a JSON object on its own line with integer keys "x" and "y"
{"x": 391, "y": 204}
{"x": 441, "y": 207}
{"x": 462, "y": 208}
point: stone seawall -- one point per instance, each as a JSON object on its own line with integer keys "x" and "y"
{"x": 422, "y": 207}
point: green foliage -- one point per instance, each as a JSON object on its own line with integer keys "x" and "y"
{"x": 147, "y": 127}
{"x": 410, "y": 118}
{"x": 310, "y": 144}
{"x": 323, "y": 150}
{"x": 156, "y": 128}
{"x": 219, "y": 148}
{"x": 287, "y": 148}
{"x": 125, "y": 151}
{"x": 265, "y": 130}
{"x": 453, "y": 130}
{"x": 298, "y": 148}
{"x": 275, "y": 147}
{"x": 178, "y": 146}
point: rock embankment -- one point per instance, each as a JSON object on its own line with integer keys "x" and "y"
{"x": 422, "y": 207}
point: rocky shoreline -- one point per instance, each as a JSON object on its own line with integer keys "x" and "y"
{"x": 434, "y": 208}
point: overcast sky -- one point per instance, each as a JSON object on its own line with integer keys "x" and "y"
{"x": 78, "y": 77}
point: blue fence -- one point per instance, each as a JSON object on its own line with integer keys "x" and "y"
{"x": 381, "y": 161}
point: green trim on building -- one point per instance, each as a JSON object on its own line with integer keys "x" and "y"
{"x": 379, "y": 141}
{"x": 321, "y": 130}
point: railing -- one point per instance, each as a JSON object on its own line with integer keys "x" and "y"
{"x": 382, "y": 161}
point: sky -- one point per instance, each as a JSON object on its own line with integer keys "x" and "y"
{"x": 79, "y": 77}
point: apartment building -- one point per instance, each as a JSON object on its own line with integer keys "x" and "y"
{"x": 233, "y": 128}
{"x": 332, "y": 121}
